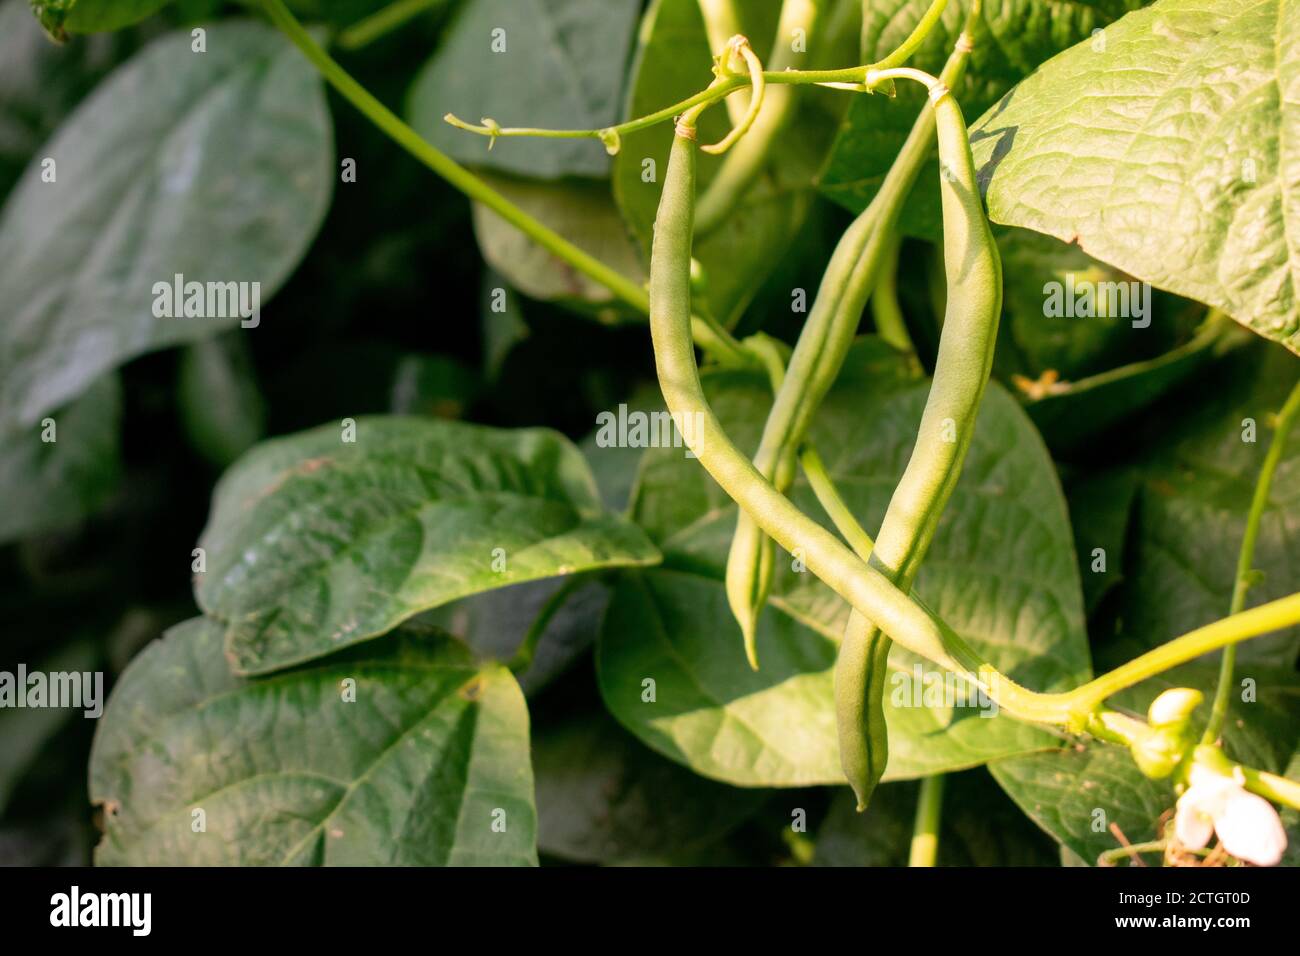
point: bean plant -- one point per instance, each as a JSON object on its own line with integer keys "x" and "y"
{"x": 838, "y": 432}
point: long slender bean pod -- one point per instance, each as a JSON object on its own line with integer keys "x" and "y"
{"x": 823, "y": 343}
{"x": 974, "y": 278}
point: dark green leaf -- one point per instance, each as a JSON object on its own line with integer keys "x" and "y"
{"x": 219, "y": 169}
{"x": 495, "y": 623}
{"x": 316, "y": 542}
{"x": 1070, "y": 414}
{"x": 602, "y": 797}
{"x": 980, "y": 827}
{"x": 416, "y": 770}
{"x": 1198, "y": 478}
{"x": 221, "y": 406}
{"x": 547, "y": 63}
{"x": 52, "y": 484}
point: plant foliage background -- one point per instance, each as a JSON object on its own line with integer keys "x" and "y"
{"x": 475, "y": 364}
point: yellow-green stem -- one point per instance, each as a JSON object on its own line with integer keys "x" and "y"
{"x": 1245, "y": 575}
{"x": 925, "y": 830}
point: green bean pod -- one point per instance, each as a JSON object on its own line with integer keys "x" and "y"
{"x": 974, "y": 278}
{"x": 851, "y": 275}
{"x": 844, "y": 572}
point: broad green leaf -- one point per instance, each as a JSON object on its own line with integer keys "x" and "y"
{"x": 317, "y": 541}
{"x": 63, "y": 468}
{"x": 1001, "y": 571}
{"x": 61, "y": 17}
{"x": 1199, "y": 471}
{"x": 580, "y": 211}
{"x": 1012, "y": 38}
{"x": 415, "y": 770}
{"x": 218, "y": 168}
{"x": 674, "y": 62}
{"x": 1078, "y": 792}
{"x": 221, "y": 406}
{"x": 542, "y": 63}
{"x": 602, "y": 797}
{"x": 979, "y": 827}
{"x": 1165, "y": 147}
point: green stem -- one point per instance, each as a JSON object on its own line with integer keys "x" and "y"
{"x": 853, "y": 77}
{"x": 705, "y": 97}
{"x": 1245, "y": 575}
{"x": 1272, "y": 787}
{"x": 829, "y": 497}
{"x": 925, "y": 831}
{"x": 917, "y": 36}
{"x": 371, "y": 28}
{"x": 527, "y": 651}
{"x": 1126, "y": 852}
{"x": 1274, "y": 616}
{"x": 707, "y": 334}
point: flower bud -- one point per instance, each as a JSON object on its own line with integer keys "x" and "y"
{"x": 1173, "y": 708}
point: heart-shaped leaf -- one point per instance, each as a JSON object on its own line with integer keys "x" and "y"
{"x": 216, "y": 167}
{"x": 1165, "y": 146}
{"x": 400, "y": 753}
{"x": 336, "y": 535}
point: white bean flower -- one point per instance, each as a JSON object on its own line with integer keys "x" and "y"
{"x": 1246, "y": 823}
